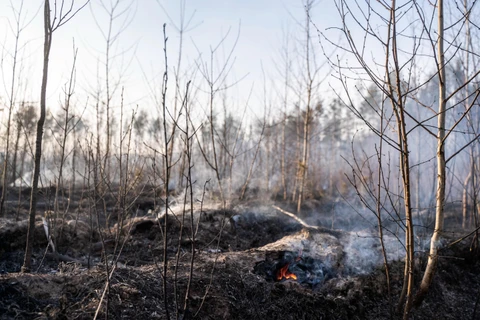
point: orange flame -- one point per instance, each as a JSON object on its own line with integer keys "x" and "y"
{"x": 284, "y": 273}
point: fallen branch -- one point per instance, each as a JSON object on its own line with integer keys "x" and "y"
{"x": 48, "y": 235}
{"x": 463, "y": 238}
{"x": 306, "y": 225}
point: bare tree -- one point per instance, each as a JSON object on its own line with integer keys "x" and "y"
{"x": 442, "y": 134}
{"x": 167, "y": 165}
{"x": 66, "y": 123}
{"x": 396, "y": 91}
{"x": 470, "y": 185}
{"x": 62, "y": 13}
{"x": 306, "y": 86}
{"x": 440, "y": 195}
{"x": 119, "y": 15}
{"x": 24, "y": 120}
{"x": 182, "y": 27}
{"x": 286, "y": 59}
{"x": 398, "y": 86}
{"x": 17, "y": 30}
{"x": 216, "y": 78}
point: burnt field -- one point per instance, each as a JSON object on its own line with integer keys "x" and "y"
{"x": 248, "y": 261}
{"x": 182, "y": 160}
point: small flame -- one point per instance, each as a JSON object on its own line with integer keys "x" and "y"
{"x": 284, "y": 273}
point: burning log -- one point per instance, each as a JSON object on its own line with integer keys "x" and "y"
{"x": 308, "y": 257}
{"x": 288, "y": 266}
{"x": 308, "y": 243}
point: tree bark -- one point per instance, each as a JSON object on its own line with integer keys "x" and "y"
{"x": 440, "y": 193}
{"x": 6, "y": 164}
{"x": 465, "y": 215}
{"x": 38, "y": 143}
{"x": 303, "y": 164}
{"x": 15, "y": 153}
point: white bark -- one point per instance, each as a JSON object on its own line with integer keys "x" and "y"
{"x": 440, "y": 193}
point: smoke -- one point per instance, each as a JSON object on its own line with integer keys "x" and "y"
{"x": 363, "y": 253}
{"x": 361, "y": 240}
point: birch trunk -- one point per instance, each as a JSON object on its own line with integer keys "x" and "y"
{"x": 440, "y": 193}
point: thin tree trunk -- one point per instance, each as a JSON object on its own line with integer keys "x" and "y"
{"x": 15, "y": 153}
{"x": 379, "y": 210}
{"x": 465, "y": 213}
{"x": 303, "y": 165}
{"x": 282, "y": 161}
{"x": 20, "y": 173}
{"x": 9, "y": 120}
{"x": 440, "y": 193}
{"x": 250, "y": 170}
{"x": 475, "y": 204}
{"x": 214, "y": 149}
{"x": 297, "y": 155}
{"x": 284, "y": 144}
{"x": 397, "y": 98}
{"x": 106, "y": 160}
{"x": 38, "y": 142}
{"x": 166, "y": 177}
{"x": 74, "y": 165}
{"x": 63, "y": 156}
{"x": 267, "y": 165}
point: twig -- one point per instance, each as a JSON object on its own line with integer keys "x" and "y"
{"x": 104, "y": 291}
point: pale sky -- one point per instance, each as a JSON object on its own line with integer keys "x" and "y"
{"x": 261, "y": 23}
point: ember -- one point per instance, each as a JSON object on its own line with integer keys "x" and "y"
{"x": 286, "y": 265}
{"x": 284, "y": 273}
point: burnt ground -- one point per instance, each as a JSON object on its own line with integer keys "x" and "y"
{"x": 226, "y": 281}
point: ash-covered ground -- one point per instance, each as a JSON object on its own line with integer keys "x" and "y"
{"x": 233, "y": 274}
